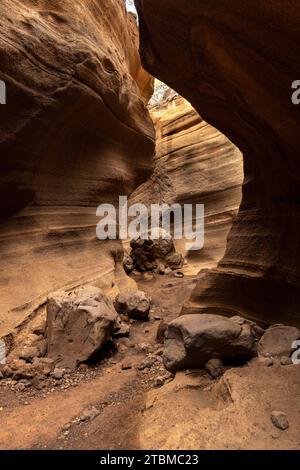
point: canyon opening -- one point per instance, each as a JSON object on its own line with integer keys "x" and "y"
{"x": 149, "y": 229}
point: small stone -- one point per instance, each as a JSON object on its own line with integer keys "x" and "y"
{"x": 146, "y": 330}
{"x": 214, "y": 368}
{"x": 58, "y": 373}
{"x": 178, "y": 274}
{"x": 147, "y": 363}
{"x": 279, "y": 420}
{"x": 126, "y": 366}
{"x": 157, "y": 318}
{"x": 1, "y": 376}
{"x": 29, "y": 353}
{"x": 159, "y": 382}
{"x": 286, "y": 361}
{"x": 89, "y": 415}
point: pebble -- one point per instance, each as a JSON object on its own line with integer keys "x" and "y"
{"x": 279, "y": 420}
{"x": 286, "y": 361}
{"x": 214, "y": 367}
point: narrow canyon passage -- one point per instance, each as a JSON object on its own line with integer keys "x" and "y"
{"x": 149, "y": 340}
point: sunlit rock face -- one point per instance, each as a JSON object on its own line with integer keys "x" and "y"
{"x": 235, "y": 62}
{"x": 74, "y": 133}
{"x": 194, "y": 164}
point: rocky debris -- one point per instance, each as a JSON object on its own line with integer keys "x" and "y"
{"x": 19, "y": 369}
{"x": 58, "y": 373}
{"x": 128, "y": 263}
{"x": 163, "y": 379}
{"x": 122, "y": 330}
{"x": 155, "y": 253}
{"x": 29, "y": 353}
{"x": 278, "y": 341}
{"x": 279, "y": 420}
{"x": 214, "y": 368}
{"x": 192, "y": 340}
{"x": 148, "y": 362}
{"x": 79, "y": 324}
{"x": 133, "y": 303}
{"x": 89, "y": 414}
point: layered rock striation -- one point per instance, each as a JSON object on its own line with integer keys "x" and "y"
{"x": 236, "y": 62}
{"x": 194, "y": 164}
{"x": 74, "y": 133}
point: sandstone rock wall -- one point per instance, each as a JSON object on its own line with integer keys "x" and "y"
{"x": 194, "y": 163}
{"x": 235, "y": 62}
{"x": 74, "y": 133}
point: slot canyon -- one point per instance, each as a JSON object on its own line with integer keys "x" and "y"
{"x": 142, "y": 343}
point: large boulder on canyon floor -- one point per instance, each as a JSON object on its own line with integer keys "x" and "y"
{"x": 192, "y": 340}
{"x": 79, "y": 323}
{"x": 155, "y": 252}
{"x": 278, "y": 341}
{"x": 133, "y": 303}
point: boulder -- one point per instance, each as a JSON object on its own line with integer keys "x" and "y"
{"x": 79, "y": 324}
{"x": 192, "y": 340}
{"x": 133, "y": 303}
{"x": 156, "y": 252}
{"x": 278, "y": 341}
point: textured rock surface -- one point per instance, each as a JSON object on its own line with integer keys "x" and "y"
{"x": 79, "y": 323}
{"x": 74, "y": 133}
{"x": 192, "y": 340}
{"x": 133, "y": 303}
{"x": 278, "y": 341}
{"x": 194, "y": 163}
{"x": 155, "y": 253}
{"x": 223, "y": 57}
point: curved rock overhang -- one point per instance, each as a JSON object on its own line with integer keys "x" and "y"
{"x": 236, "y": 62}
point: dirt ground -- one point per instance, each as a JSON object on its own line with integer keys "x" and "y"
{"x": 116, "y": 404}
{"x": 52, "y": 416}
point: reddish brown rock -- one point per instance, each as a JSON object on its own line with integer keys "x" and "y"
{"x": 195, "y": 163}
{"x": 235, "y": 62}
{"x": 79, "y": 324}
{"x": 74, "y": 133}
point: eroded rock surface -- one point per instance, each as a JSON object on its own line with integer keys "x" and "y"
{"x": 192, "y": 340}
{"x": 74, "y": 133}
{"x": 133, "y": 303}
{"x": 79, "y": 323}
{"x": 194, "y": 163}
{"x": 211, "y": 53}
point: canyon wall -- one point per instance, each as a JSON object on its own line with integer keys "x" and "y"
{"x": 74, "y": 133}
{"x": 235, "y": 62}
{"x": 194, "y": 164}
